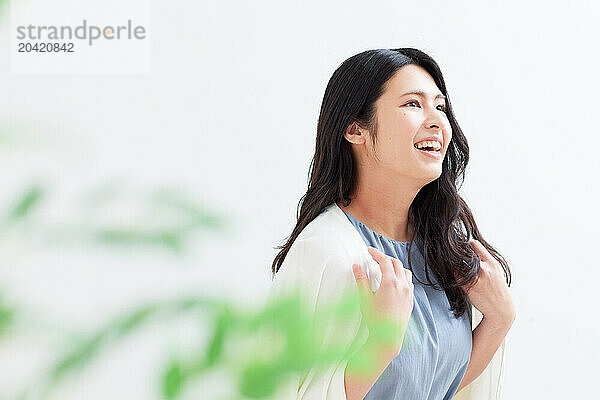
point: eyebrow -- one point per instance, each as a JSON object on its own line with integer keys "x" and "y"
{"x": 423, "y": 94}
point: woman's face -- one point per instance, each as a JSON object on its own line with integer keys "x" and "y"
{"x": 405, "y": 119}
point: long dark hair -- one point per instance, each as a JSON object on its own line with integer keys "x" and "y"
{"x": 442, "y": 220}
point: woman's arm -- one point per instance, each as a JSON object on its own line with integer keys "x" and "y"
{"x": 392, "y": 302}
{"x": 357, "y": 383}
{"x": 487, "y": 337}
{"x": 490, "y": 295}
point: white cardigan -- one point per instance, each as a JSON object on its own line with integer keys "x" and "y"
{"x": 319, "y": 263}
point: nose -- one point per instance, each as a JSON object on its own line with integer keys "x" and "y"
{"x": 434, "y": 125}
{"x": 434, "y": 121}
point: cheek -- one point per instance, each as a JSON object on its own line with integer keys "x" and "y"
{"x": 409, "y": 124}
{"x": 396, "y": 136}
{"x": 447, "y": 138}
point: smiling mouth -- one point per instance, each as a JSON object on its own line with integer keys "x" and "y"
{"x": 428, "y": 148}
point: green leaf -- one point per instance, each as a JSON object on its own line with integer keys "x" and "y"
{"x": 134, "y": 320}
{"x": 26, "y": 203}
{"x": 6, "y": 318}
{"x": 215, "y": 348}
{"x": 173, "y": 380}
{"x": 259, "y": 380}
{"x": 77, "y": 357}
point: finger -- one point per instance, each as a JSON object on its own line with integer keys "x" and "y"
{"x": 398, "y": 268}
{"x": 408, "y": 274}
{"x": 481, "y": 251}
{"x": 362, "y": 280}
{"x": 384, "y": 261}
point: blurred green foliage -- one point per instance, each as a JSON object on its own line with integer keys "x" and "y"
{"x": 180, "y": 218}
{"x": 260, "y": 348}
{"x": 170, "y": 221}
{"x": 6, "y": 316}
{"x": 25, "y": 204}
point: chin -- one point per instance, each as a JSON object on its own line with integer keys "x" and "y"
{"x": 430, "y": 177}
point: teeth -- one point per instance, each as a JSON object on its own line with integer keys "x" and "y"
{"x": 429, "y": 143}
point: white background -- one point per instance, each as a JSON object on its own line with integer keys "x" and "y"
{"x": 229, "y": 114}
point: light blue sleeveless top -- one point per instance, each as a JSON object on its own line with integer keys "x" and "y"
{"x": 437, "y": 346}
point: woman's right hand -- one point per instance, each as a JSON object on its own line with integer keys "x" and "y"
{"x": 389, "y": 306}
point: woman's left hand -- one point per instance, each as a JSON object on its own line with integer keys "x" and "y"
{"x": 490, "y": 294}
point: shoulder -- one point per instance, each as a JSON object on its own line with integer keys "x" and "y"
{"x": 320, "y": 259}
{"x": 316, "y": 254}
{"x": 324, "y": 242}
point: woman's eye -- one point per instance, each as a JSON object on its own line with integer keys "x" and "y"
{"x": 443, "y": 109}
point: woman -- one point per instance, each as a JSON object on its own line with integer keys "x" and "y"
{"x": 389, "y": 156}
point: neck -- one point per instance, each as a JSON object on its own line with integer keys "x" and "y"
{"x": 384, "y": 207}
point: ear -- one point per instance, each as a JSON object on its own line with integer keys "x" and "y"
{"x": 354, "y": 134}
